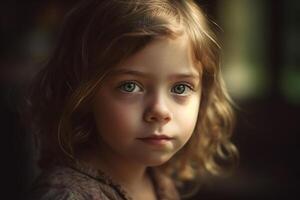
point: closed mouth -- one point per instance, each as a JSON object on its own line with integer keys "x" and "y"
{"x": 156, "y": 137}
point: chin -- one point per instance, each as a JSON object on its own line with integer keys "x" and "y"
{"x": 156, "y": 160}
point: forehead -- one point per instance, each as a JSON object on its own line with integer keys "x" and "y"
{"x": 164, "y": 56}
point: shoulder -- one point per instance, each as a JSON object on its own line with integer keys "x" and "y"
{"x": 64, "y": 183}
{"x": 53, "y": 193}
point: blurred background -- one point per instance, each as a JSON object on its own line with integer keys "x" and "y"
{"x": 261, "y": 60}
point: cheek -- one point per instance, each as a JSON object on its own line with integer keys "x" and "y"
{"x": 113, "y": 118}
{"x": 186, "y": 119}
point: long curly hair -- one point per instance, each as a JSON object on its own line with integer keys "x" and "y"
{"x": 98, "y": 34}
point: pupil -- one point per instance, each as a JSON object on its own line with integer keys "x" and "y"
{"x": 179, "y": 89}
{"x": 129, "y": 87}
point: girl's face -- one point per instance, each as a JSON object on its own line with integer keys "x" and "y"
{"x": 147, "y": 108}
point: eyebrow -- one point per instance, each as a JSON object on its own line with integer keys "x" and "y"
{"x": 146, "y": 75}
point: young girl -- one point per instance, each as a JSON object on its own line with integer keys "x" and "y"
{"x": 131, "y": 105}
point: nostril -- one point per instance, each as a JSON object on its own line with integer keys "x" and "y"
{"x": 157, "y": 110}
{"x": 161, "y": 117}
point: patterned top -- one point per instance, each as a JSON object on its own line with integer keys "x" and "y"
{"x": 81, "y": 182}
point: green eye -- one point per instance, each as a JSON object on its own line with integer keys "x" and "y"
{"x": 130, "y": 87}
{"x": 181, "y": 88}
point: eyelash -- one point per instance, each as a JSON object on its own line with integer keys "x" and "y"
{"x": 186, "y": 85}
{"x": 122, "y": 84}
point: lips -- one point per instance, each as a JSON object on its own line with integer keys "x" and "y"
{"x": 156, "y": 139}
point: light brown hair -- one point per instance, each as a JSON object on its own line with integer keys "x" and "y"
{"x": 96, "y": 35}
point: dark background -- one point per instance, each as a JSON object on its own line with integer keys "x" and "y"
{"x": 267, "y": 119}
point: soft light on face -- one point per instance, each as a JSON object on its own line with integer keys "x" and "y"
{"x": 147, "y": 108}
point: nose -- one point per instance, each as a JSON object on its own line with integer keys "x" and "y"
{"x": 157, "y": 111}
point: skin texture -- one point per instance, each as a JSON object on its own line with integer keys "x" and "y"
{"x": 154, "y": 92}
